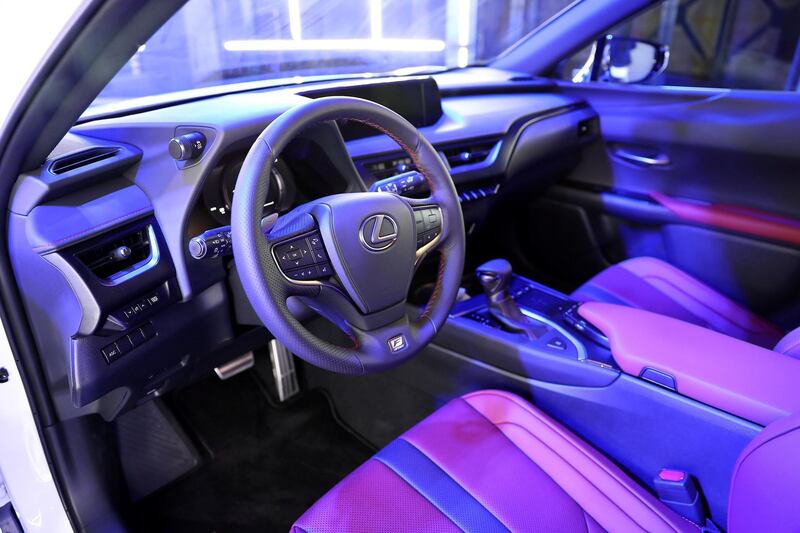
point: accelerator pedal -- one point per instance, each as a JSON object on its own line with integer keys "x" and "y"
{"x": 284, "y": 373}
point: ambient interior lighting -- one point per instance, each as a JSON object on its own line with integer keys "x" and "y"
{"x": 366, "y": 45}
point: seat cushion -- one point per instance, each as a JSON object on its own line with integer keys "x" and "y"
{"x": 657, "y": 286}
{"x": 489, "y": 461}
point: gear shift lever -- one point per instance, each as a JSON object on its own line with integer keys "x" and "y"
{"x": 495, "y": 278}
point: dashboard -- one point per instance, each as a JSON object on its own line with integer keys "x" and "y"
{"x": 101, "y": 232}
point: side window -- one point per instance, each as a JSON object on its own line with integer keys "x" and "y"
{"x": 712, "y": 43}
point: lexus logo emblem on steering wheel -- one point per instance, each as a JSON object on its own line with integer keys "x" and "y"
{"x": 378, "y": 232}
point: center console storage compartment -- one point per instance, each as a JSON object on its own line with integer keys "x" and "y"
{"x": 734, "y": 376}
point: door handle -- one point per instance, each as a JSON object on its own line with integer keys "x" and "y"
{"x": 641, "y": 156}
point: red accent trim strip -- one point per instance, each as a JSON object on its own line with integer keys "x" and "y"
{"x": 735, "y": 218}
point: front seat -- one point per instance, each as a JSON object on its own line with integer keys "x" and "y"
{"x": 490, "y": 461}
{"x": 654, "y": 285}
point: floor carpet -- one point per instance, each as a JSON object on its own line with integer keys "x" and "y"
{"x": 265, "y": 465}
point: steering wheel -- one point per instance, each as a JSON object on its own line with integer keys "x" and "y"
{"x": 350, "y": 257}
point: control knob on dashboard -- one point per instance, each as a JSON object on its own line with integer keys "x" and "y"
{"x": 187, "y": 146}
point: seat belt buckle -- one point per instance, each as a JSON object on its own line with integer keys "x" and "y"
{"x": 678, "y": 490}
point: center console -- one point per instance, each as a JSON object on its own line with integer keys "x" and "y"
{"x": 531, "y": 330}
{"x": 672, "y": 395}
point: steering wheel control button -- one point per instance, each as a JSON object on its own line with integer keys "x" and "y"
{"x": 319, "y": 256}
{"x": 315, "y": 241}
{"x": 304, "y": 258}
{"x": 303, "y": 273}
{"x": 431, "y": 219}
{"x": 294, "y": 254}
{"x": 428, "y": 221}
{"x": 397, "y": 343}
{"x": 378, "y": 232}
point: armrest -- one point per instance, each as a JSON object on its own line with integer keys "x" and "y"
{"x": 732, "y": 375}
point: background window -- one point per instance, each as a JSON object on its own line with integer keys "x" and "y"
{"x": 214, "y": 42}
{"x": 746, "y": 44}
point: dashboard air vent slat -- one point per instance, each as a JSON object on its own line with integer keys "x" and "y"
{"x": 469, "y": 154}
{"x": 112, "y": 259}
{"x": 82, "y": 159}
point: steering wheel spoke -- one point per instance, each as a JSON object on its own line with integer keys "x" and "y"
{"x": 429, "y": 226}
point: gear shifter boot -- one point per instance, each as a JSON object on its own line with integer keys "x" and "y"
{"x": 495, "y": 278}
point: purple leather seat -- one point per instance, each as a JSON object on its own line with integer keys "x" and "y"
{"x": 654, "y": 285}
{"x": 490, "y": 461}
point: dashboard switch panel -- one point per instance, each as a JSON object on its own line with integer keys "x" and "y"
{"x": 144, "y": 305}
{"x": 128, "y": 342}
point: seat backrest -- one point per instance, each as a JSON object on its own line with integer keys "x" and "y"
{"x": 765, "y": 488}
{"x": 790, "y": 343}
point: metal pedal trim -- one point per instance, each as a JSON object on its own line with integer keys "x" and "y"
{"x": 235, "y": 366}
{"x": 283, "y": 370}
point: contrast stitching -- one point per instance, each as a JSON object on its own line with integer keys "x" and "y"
{"x": 104, "y": 225}
{"x": 437, "y": 289}
{"x": 567, "y": 438}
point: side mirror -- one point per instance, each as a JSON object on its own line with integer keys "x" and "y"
{"x": 628, "y": 60}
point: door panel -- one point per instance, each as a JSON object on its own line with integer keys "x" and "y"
{"x": 706, "y": 179}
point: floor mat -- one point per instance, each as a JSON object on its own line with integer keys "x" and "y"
{"x": 267, "y": 463}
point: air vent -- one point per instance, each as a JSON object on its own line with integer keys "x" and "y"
{"x": 120, "y": 257}
{"x": 477, "y": 193}
{"x": 81, "y": 159}
{"x": 468, "y": 154}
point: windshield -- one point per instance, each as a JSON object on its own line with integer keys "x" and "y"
{"x": 215, "y": 42}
